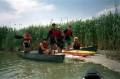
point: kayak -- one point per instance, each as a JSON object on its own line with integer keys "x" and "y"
{"x": 34, "y": 55}
{"x": 89, "y": 48}
{"x": 92, "y": 74}
{"x": 79, "y": 52}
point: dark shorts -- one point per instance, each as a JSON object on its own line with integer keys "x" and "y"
{"x": 26, "y": 44}
{"x": 76, "y": 47}
{"x": 40, "y": 51}
{"x": 52, "y": 41}
{"x": 60, "y": 43}
{"x": 68, "y": 40}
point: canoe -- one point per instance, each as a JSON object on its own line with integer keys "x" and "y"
{"x": 34, "y": 55}
{"x": 79, "y": 52}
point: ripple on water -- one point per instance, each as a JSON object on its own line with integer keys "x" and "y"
{"x": 13, "y": 67}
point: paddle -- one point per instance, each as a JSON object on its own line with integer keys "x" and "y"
{"x": 18, "y": 37}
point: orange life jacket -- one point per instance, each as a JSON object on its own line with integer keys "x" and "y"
{"x": 27, "y": 36}
{"x": 58, "y": 34}
{"x": 53, "y": 32}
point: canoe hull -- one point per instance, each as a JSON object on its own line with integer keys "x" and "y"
{"x": 42, "y": 57}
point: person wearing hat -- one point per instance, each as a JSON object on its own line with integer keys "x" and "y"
{"x": 76, "y": 45}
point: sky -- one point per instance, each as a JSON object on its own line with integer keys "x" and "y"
{"x": 21, "y": 13}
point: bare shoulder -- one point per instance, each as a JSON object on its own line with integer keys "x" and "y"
{"x": 41, "y": 44}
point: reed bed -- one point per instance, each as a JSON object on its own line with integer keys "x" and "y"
{"x": 103, "y": 31}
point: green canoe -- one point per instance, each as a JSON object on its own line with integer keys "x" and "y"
{"x": 34, "y": 55}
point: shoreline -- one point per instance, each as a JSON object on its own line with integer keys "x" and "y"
{"x": 104, "y": 61}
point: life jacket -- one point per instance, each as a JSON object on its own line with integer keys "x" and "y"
{"x": 68, "y": 32}
{"x": 52, "y": 33}
{"x": 58, "y": 34}
{"x": 45, "y": 45}
{"x": 27, "y": 36}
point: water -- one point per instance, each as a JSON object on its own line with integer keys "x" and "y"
{"x": 14, "y": 67}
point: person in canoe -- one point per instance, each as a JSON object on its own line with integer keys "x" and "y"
{"x": 60, "y": 41}
{"x": 68, "y": 36}
{"x": 52, "y": 38}
{"x": 43, "y": 47}
{"x": 76, "y": 44}
{"x": 27, "y": 41}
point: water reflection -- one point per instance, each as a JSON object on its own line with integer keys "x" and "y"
{"x": 14, "y": 67}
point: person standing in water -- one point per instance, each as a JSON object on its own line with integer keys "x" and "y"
{"x": 68, "y": 37}
{"x": 59, "y": 38}
{"x": 52, "y": 38}
{"x": 27, "y": 41}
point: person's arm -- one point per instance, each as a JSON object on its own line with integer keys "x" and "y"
{"x": 41, "y": 45}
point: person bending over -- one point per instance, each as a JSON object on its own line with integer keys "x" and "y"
{"x": 43, "y": 47}
{"x": 27, "y": 42}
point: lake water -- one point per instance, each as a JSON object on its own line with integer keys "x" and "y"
{"x": 14, "y": 67}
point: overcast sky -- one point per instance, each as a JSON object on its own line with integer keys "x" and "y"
{"x": 27, "y": 12}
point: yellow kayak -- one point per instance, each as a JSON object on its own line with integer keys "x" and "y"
{"x": 79, "y": 52}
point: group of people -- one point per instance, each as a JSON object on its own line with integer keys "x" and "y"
{"x": 57, "y": 39}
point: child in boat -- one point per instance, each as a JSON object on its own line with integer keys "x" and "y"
{"x": 76, "y": 45}
{"x": 43, "y": 47}
{"x": 27, "y": 41}
{"x": 68, "y": 37}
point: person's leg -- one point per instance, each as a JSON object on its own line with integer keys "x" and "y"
{"x": 29, "y": 46}
{"x": 59, "y": 50}
{"x": 53, "y": 47}
{"x": 68, "y": 44}
{"x": 47, "y": 51}
{"x": 51, "y": 44}
{"x": 25, "y": 46}
{"x": 60, "y": 45}
{"x": 40, "y": 51}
